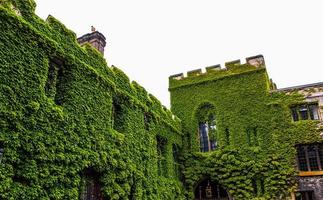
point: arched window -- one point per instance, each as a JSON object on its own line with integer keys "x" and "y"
{"x": 207, "y": 127}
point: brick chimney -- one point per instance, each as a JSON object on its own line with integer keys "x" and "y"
{"x": 95, "y": 38}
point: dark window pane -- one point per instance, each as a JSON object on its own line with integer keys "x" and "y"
{"x": 254, "y": 186}
{"x": 1, "y": 151}
{"x": 294, "y": 114}
{"x": 92, "y": 189}
{"x": 147, "y": 120}
{"x": 161, "y": 151}
{"x": 118, "y": 114}
{"x": 321, "y": 154}
{"x": 248, "y": 136}
{"x": 213, "y": 145}
{"x": 310, "y": 195}
{"x": 204, "y": 137}
{"x": 312, "y": 157}
{"x": 50, "y": 87}
{"x": 212, "y": 122}
{"x": 303, "y": 112}
{"x": 305, "y": 195}
{"x": 313, "y": 110}
{"x": 60, "y": 84}
{"x": 55, "y": 81}
{"x": 176, "y": 161}
{"x": 1, "y": 147}
{"x": 302, "y": 163}
{"x": 227, "y": 136}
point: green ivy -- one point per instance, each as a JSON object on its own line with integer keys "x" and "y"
{"x": 93, "y": 117}
{"x": 255, "y": 132}
{"x": 54, "y": 130}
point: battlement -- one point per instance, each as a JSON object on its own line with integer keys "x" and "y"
{"x": 257, "y": 61}
{"x": 232, "y": 63}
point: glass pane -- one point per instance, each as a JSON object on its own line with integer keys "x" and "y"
{"x": 302, "y": 164}
{"x": 321, "y": 154}
{"x": 1, "y": 151}
{"x": 312, "y": 157}
{"x": 310, "y": 195}
{"x": 305, "y": 195}
{"x": 213, "y": 145}
{"x": 294, "y": 114}
{"x": 204, "y": 137}
{"x": 303, "y": 112}
{"x": 212, "y": 122}
{"x": 314, "y": 112}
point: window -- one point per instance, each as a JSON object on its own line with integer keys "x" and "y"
{"x": 54, "y": 84}
{"x": 204, "y": 137}
{"x": 213, "y": 144}
{"x": 147, "y": 120}
{"x": 305, "y": 195}
{"x": 309, "y": 157}
{"x": 254, "y": 186}
{"x": 1, "y": 151}
{"x": 206, "y": 131}
{"x": 161, "y": 158}
{"x": 313, "y": 157}
{"x": 118, "y": 114}
{"x": 207, "y": 127}
{"x": 302, "y": 161}
{"x": 227, "y": 136}
{"x": 305, "y": 112}
{"x": 177, "y": 169}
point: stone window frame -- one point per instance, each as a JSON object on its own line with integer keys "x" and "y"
{"x": 297, "y": 111}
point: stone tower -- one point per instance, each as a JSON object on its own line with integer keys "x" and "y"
{"x": 95, "y": 38}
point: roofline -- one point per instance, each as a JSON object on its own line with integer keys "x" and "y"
{"x": 299, "y": 87}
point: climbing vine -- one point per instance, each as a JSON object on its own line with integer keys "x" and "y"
{"x": 64, "y": 112}
{"x": 255, "y": 155}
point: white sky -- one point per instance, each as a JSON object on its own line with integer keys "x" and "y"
{"x": 152, "y": 39}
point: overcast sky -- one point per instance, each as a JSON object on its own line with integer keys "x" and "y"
{"x": 150, "y": 40}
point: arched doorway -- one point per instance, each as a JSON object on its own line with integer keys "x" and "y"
{"x": 209, "y": 190}
{"x": 91, "y": 187}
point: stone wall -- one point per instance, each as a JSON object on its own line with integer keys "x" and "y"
{"x": 312, "y": 184}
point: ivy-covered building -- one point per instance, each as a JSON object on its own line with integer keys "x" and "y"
{"x": 246, "y": 139}
{"x": 73, "y": 127}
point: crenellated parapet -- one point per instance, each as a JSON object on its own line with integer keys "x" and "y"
{"x": 230, "y": 68}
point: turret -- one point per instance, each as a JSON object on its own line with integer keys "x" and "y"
{"x": 95, "y": 38}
